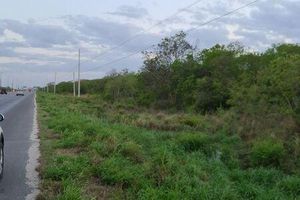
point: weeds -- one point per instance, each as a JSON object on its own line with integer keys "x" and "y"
{"x": 267, "y": 152}
{"x": 128, "y": 160}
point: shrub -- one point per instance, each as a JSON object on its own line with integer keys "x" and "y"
{"x": 267, "y": 152}
{"x": 257, "y": 183}
{"x": 291, "y": 185}
{"x": 64, "y": 167}
{"x": 70, "y": 191}
{"x": 90, "y": 129}
{"x": 73, "y": 139}
{"x": 163, "y": 164}
{"x": 67, "y": 122}
{"x": 229, "y": 157}
{"x": 132, "y": 151}
{"x": 107, "y": 146}
{"x": 119, "y": 170}
{"x": 191, "y": 121}
{"x": 195, "y": 142}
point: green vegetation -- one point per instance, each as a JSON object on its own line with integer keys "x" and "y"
{"x": 221, "y": 123}
{"x": 267, "y": 153}
{"x": 92, "y": 156}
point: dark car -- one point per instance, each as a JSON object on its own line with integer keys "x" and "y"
{"x": 1, "y": 148}
{"x": 3, "y": 91}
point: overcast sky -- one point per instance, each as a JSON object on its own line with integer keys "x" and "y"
{"x": 38, "y": 38}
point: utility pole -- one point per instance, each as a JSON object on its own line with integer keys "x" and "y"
{"x": 1, "y": 79}
{"x": 54, "y": 90}
{"x": 12, "y": 85}
{"x": 74, "y": 85}
{"x": 47, "y": 85}
{"x": 79, "y": 73}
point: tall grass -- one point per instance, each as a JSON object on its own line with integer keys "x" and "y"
{"x": 133, "y": 161}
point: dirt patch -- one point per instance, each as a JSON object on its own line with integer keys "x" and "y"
{"x": 68, "y": 152}
{"x": 97, "y": 190}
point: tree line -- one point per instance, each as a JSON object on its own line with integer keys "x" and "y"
{"x": 175, "y": 75}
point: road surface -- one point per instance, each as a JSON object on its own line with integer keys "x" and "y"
{"x": 19, "y": 180}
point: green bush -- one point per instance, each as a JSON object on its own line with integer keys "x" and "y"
{"x": 195, "y": 142}
{"x": 291, "y": 185}
{"x": 267, "y": 152}
{"x": 107, "y": 146}
{"x": 163, "y": 164}
{"x": 229, "y": 157}
{"x": 73, "y": 139}
{"x": 120, "y": 171}
{"x": 64, "y": 167}
{"x": 191, "y": 121}
{"x": 70, "y": 191}
{"x": 90, "y": 129}
{"x": 132, "y": 151}
{"x": 67, "y": 122}
{"x": 257, "y": 183}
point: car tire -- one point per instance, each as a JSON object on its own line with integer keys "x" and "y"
{"x": 1, "y": 160}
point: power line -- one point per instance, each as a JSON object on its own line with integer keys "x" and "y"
{"x": 143, "y": 31}
{"x": 193, "y": 29}
{"x": 115, "y": 61}
{"x": 226, "y": 14}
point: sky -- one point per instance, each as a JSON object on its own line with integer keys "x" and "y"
{"x": 39, "y": 38}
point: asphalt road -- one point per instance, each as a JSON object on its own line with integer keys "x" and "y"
{"x": 19, "y": 112}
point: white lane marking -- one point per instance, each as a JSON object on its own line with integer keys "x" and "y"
{"x": 32, "y": 176}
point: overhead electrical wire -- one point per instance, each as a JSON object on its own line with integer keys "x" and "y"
{"x": 132, "y": 37}
{"x": 143, "y": 31}
{"x": 193, "y": 29}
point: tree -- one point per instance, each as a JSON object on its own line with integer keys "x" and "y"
{"x": 155, "y": 76}
{"x": 123, "y": 85}
{"x": 271, "y": 105}
{"x": 219, "y": 69}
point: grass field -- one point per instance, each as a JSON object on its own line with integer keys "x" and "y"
{"x": 95, "y": 150}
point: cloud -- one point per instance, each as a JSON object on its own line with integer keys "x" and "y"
{"x": 15, "y": 60}
{"x": 34, "y": 51}
{"x": 281, "y": 17}
{"x": 39, "y": 35}
{"x": 257, "y": 26}
{"x": 130, "y": 12}
{"x": 111, "y": 33}
{"x": 207, "y": 36}
{"x": 7, "y": 52}
{"x": 44, "y": 47}
{"x": 10, "y": 36}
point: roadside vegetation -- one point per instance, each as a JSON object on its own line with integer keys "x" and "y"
{"x": 221, "y": 123}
